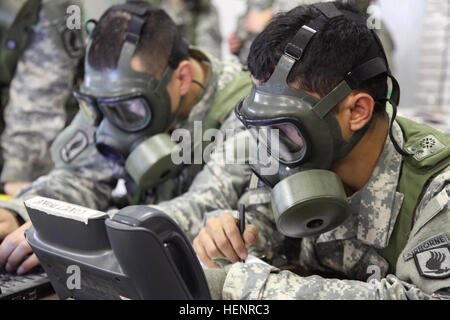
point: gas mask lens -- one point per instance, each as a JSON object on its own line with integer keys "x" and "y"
{"x": 131, "y": 114}
{"x": 283, "y": 141}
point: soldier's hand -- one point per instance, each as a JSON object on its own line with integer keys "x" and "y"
{"x": 234, "y": 43}
{"x": 8, "y": 223}
{"x": 12, "y": 187}
{"x": 14, "y": 249}
{"x": 221, "y": 239}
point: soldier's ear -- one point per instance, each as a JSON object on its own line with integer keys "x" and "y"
{"x": 354, "y": 112}
{"x": 362, "y": 106}
{"x": 184, "y": 74}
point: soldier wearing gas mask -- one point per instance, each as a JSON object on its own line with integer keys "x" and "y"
{"x": 365, "y": 193}
{"x": 38, "y": 67}
{"x": 141, "y": 81}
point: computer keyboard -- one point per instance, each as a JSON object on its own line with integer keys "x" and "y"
{"x": 26, "y": 287}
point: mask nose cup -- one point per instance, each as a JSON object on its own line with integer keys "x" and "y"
{"x": 111, "y": 153}
{"x": 309, "y": 203}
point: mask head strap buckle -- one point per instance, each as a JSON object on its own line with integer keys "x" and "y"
{"x": 132, "y": 39}
{"x": 134, "y": 30}
{"x": 299, "y": 43}
{"x": 295, "y": 49}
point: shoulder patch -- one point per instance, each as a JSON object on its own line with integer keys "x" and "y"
{"x": 77, "y": 144}
{"x": 434, "y": 263}
{"x": 431, "y": 243}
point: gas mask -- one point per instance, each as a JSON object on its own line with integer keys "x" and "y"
{"x": 302, "y": 135}
{"x": 132, "y": 110}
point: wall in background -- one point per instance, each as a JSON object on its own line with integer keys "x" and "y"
{"x": 404, "y": 19}
{"x": 229, "y": 12}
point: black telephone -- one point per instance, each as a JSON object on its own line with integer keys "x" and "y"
{"x": 139, "y": 253}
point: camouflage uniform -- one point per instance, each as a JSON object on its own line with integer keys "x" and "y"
{"x": 348, "y": 251}
{"x": 286, "y": 5}
{"x": 88, "y": 178}
{"x": 258, "y": 5}
{"x": 201, "y": 29}
{"x": 36, "y": 113}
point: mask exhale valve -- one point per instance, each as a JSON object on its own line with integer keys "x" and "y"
{"x": 309, "y": 202}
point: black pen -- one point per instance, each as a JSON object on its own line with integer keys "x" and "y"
{"x": 241, "y": 221}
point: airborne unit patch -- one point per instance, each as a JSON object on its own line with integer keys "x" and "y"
{"x": 434, "y": 263}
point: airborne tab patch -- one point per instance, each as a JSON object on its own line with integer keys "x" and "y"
{"x": 434, "y": 242}
{"x": 434, "y": 263}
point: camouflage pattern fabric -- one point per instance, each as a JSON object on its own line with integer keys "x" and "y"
{"x": 205, "y": 26}
{"x": 36, "y": 113}
{"x": 350, "y": 252}
{"x": 262, "y": 282}
{"x": 286, "y": 5}
{"x": 88, "y": 178}
{"x": 258, "y": 5}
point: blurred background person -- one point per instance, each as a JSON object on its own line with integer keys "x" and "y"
{"x": 198, "y": 21}
{"x": 260, "y": 12}
{"x": 256, "y": 17}
{"x": 39, "y": 55}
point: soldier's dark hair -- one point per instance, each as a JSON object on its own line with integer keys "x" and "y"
{"x": 334, "y": 51}
{"x": 158, "y": 45}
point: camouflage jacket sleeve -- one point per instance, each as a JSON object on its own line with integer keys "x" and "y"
{"x": 286, "y": 5}
{"x": 41, "y": 86}
{"x": 81, "y": 175}
{"x": 257, "y": 281}
{"x": 207, "y": 33}
{"x": 416, "y": 276}
{"x": 259, "y": 5}
{"x": 425, "y": 260}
